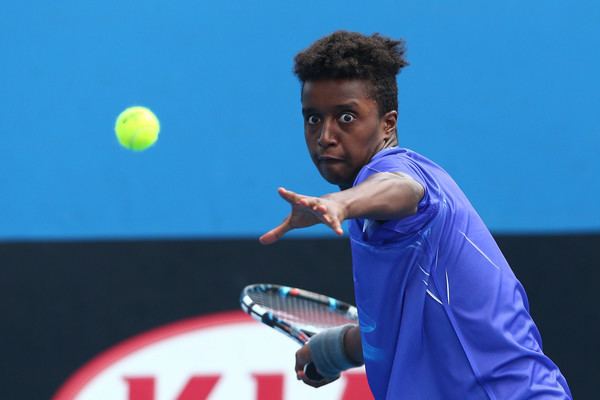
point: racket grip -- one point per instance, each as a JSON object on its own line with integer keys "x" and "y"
{"x": 311, "y": 372}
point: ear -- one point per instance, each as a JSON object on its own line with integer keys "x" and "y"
{"x": 389, "y": 121}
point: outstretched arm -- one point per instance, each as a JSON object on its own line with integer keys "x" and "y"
{"x": 383, "y": 196}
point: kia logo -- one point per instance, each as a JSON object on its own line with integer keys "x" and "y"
{"x": 219, "y": 356}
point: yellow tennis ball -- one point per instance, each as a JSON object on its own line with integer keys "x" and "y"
{"x": 137, "y": 128}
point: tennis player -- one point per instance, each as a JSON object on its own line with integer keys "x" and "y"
{"x": 442, "y": 316}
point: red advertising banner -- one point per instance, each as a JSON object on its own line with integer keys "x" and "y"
{"x": 218, "y": 356}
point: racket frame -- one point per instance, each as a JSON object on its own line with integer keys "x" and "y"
{"x": 270, "y": 318}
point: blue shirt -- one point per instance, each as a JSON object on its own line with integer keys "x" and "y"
{"x": 442, "y": 315}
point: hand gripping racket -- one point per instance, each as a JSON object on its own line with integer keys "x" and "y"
{"x": 296, "y": 313}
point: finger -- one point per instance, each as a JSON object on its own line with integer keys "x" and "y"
{"x": 326, "y": 218}
{"x": 337, "y": 228}
{"x": 309, "y": 202}
{"x": 298, "y": 199}
{"x": 288, "y": 195}
{"x": 331, "y": 221}
{"x": 272, "y": 236}
{"x": 302, "y": 357}
{"x": 334, "y": 224}
{"x": 276, "y": 233}
{"x": 321, "y": 211}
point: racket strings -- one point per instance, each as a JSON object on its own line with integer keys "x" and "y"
{"x": 301, "y": 311}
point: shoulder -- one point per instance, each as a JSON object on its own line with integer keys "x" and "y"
{"x": 394, "y": 160}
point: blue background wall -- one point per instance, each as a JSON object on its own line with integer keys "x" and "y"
{"x": 504, "y": 95}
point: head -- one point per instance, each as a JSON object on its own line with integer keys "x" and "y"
{"x": 349, "y": 100}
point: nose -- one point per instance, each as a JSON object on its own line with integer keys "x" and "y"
{"x": 326, "y": 135}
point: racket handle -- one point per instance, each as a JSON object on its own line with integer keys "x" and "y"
{"x": 311, "y": 372}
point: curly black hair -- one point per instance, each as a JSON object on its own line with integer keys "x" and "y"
{"x": 351, "y": 55}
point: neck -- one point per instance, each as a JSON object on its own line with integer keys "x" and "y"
{"x": 391, "y": 142}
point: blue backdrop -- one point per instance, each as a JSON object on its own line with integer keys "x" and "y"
{"x": 503, "y": 95}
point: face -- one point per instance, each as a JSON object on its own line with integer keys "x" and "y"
{"x": 343, "y": 128}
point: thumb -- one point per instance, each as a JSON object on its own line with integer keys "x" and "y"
{"x": 276, "y": 233}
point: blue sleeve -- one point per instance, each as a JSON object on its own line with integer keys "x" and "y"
{"x": 389, "y": 231}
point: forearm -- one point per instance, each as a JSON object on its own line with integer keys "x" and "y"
{"x": 383, "y": 196}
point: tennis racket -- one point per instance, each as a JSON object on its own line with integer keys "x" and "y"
{"x": 297, "y": 313}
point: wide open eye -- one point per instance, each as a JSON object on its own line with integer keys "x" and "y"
{"x": 313, "y": 119}
{"x": 347, "y": 118}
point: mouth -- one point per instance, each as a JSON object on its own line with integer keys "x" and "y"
{"x": 328, "y": 159}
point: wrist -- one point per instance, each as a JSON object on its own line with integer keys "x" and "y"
{"x": 342, "y": 202}
{"x": 328, "y": 352}
{"x": 353, "y": 345}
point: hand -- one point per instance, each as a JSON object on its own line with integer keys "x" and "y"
{"x": 307, "y": 211}
{"x": 304, "y": 357}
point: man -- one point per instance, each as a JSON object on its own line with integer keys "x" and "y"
{"x": 441, "y": 314}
